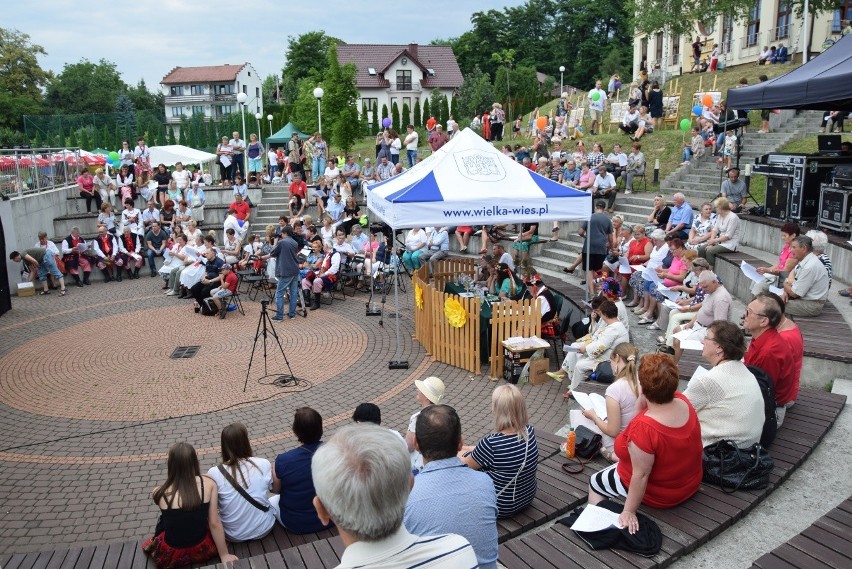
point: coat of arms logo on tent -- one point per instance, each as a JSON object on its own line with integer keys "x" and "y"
{"x": 480, "y": 167}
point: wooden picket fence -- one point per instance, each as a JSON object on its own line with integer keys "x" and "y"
{"x": 510, "y": 319}
{"x": 458, "y": 347}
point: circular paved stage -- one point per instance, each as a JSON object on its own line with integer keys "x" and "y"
{"x": 90, "y": 400}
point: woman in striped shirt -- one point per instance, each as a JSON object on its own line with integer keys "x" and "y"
{"x": 510, "y": 454}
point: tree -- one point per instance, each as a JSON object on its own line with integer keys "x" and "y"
{"x": 126, "y": 116}
{"x": 426, "y": 111}
{"x": 475, "y": 94}
{"x": 85, "y": 87}
{"x": 346, "y": 128}
{"x": 340, "y": 95}
{"x": 21, "y": 78}
{"x": 445, "y": 109}
{"x": 304, "y": 114}
{"x": 418, "y": 116}
{"x": 384, "y": 114}
{"x": 454, "y": 109}
{"x": 171, "y": 132}
{"x": 405, "y": 118}
{"x": 365, "y": 118}
{"x": 269, "y": 89}
{"x": 395, "y": 117}
{"x": 145, "y": 100}
{"x": 374, "y": 124}
{"x": 435, "y": 98}
{"x": 307, "y": 52}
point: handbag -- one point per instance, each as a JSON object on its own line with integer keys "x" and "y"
{"x": 647, "y": 541}
{"x": 588, "y": 443}
{"x": 729, "y": 467}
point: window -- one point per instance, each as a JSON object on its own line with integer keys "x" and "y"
{"x": 727, "y": 33}
{"x": 196, "y": 89}
{"x": 198, "y": 109}
{"x": 842, "y": 16}
{"x": 257, "y": 93}
{"x": 176, "y": 91}
{"x": 226, "y": 109}
{"x": 245, "y": 89}
{"x": 371, "y": 70}
{"x": 782, "y": 22}
{"x": 371, "y": 104}
{"x": 753, "y": 34}
{"x": 177, "y": 111}
{"x": 659, "y": 48}
{"x": 676, "y": 50}
{"x": 227, "y": 89}
{"x": 390, "y": 107}
{"x": 403, "y": 80}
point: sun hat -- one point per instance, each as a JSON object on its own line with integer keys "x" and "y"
{"x": 432, "y": 388}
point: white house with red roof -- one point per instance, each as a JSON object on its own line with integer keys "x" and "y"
{"x": 211, "y": 91}
{"x": 401, "y": 74}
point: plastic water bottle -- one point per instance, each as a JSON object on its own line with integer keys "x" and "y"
{"x": 570, "y": 443}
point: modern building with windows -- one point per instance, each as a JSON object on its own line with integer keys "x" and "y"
{"x": 769, "y": 23}
{"x": 210, "y": 91}
{"x": 401, "y": 74}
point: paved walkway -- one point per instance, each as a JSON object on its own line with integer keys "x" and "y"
{"x": 90, "y": 400}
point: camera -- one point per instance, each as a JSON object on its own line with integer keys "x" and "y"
{"x": 264, "y": 303}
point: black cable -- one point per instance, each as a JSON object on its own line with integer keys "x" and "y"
{"x": 304, "y": 384}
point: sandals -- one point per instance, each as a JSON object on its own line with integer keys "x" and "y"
{"x": 44, "y": 292}
{"x": 567, "y": 270}
{"x": 62, "y": 293}
{"x": 845, "y": 292}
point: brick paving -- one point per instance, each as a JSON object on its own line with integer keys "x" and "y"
{"x": 90, "y": 401}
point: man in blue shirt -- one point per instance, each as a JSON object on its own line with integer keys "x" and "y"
{"x": 680, "y": 221}
{"x": 449, "y": 497}
{"x": 437, "y": 248}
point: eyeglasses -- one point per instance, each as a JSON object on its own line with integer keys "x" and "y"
{"x": 709, "y": 339}
{"x": 750, "y": 311}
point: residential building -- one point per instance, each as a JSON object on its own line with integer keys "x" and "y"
{"x": 401, "y": 74}
{"x": 769, "y": 23}
{"x": 211, "y": 91}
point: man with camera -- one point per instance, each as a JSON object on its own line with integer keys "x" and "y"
{"x": 286, "y": 251}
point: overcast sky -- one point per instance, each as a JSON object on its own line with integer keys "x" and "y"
{"x": 147, "y": 38}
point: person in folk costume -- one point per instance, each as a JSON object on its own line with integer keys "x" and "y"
{"x": 74, "y": 260}
{"x": 143, "y": 160}
{"x": 130, "y": 252}
{"x": 105, "y": 246}
{"x": 547, "y": 304}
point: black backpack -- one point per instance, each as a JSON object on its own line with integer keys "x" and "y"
{"x": 767, "y": 389}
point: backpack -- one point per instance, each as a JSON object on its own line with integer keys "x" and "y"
{"x": 767, "y": 389}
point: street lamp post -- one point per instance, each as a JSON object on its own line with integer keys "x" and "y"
{"x": 318, "y": 93}
{"x": 269, "y": 118}
{"x": 241, "y": 99}
{"x": 561, "y": 79}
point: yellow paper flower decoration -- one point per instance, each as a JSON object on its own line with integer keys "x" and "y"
{"x": 418, "y": 296}
{"x": 455, "y": 313}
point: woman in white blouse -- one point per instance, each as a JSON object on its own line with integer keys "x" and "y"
{"x": 702, "y": 225}
{"x": 725, "y": 235}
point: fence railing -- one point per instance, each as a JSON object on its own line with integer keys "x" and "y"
{"x": 33, "y": 170}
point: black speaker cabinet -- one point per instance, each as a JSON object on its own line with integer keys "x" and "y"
{"x": 777, "y": 194}
{"x": 835, "y": 209}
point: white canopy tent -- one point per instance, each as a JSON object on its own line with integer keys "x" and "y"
{"x": 470, "y": 182}
{"x": 174, "y": 153}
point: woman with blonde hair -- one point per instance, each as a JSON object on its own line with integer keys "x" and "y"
{"x": 621, "y": 396}
{"x": 509, "y": 455}
{"x": 243, "y": 481}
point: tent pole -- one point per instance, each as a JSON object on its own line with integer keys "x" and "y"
{"x": 396, "y": 362}
{"x": 586, "y": 255}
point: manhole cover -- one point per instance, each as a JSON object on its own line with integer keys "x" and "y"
{"x": 183, "y": 352}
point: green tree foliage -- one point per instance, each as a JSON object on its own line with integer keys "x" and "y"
{"x": 405, "y": 117}
{"x": 364, "y": 120}
{"x": 171, "y": 139}
{"x": 304, "y": 114}
{"x": 21, "y": 78}
{"x": 427, "y": 111}
{"x": 289, "y": 90}
{"x": 10, "y": 138}
{"x": 418, "y": 115}
{"x": 145, "y": 100}
{"x": 268, "y": 89}
{"x": 346, "y": 128}
{"x": 435, "y": 97}
{"x": 454, "y": 108}
{"x": 307, "y": 52}
{"x": 374, "y": 123}
{"x": 85, "y": 87}
{"x": 126, "y": 119}
{"x": 384, "y": 115}
{"x": 445, "y": 108}
{"x": 339, "y": 100}
{"x": 395, "y": 117}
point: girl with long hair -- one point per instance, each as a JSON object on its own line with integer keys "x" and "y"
{"x": 189, "y": 530}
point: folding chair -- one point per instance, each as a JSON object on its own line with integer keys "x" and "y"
{"x": 235, "y": 303}
{"x": 349, "y": 272}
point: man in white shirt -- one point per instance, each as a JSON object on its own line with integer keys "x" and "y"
{"x": 352, "y": 172}
{"x": 437, "y": 248}
{"x": 149, "y": 215}
{"x": 597, "y": 104}
{"x": 630, "y": 122}
{"x": 616, "y": 161}
{"x": 239, "y": 147}
{"x": 362, "y": 477}
{"x": 604, "y": 187}
{"x": 502, "y": 256}
{"x": 806, "y": 287}
{"x": 412, "y": 139}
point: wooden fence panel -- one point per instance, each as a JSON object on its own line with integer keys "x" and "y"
{"x": 458, "y": 347}
{"x": 423, "y": 315}
{"x": 510, "y": 319}
{"x": 447, "y": 270}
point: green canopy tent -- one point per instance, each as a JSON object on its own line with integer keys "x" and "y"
{"x": 283, "y": 136}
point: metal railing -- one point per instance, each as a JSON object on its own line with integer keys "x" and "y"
{"x": 34, "y": 170}
{"x": 182, "y": 99}
{"x": 405, "y": 86}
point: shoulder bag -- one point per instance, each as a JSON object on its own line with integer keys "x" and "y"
{"x": 733, "y": 468}
{"x": 241, "y": 490}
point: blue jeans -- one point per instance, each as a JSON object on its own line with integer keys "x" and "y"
{"x": 291, "y": 284}
{"x": 48, "y": 267}
{"x": 412, "y": 157}
{"x": 687, "y": 154}
{"x": 151, "y": 256}
{"x": 318, "y": 166}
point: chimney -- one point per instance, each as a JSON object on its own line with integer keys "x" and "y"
{"x": 412, "y": 49}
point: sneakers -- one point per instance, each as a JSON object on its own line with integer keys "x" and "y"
{"x": 278, "y": 318}
{"x": 654, "y": 326}
{"x": 556, "y": 375}
{"x": 171, "y": 293}
{"x": 628, "y": 191}
{"x": 638, "y": 310}
{"x": 646, "y": 320}
{"x": 661, "y": 339}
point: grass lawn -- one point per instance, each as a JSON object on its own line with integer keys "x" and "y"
{"x": 664, "y": 145}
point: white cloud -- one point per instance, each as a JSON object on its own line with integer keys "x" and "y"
{"x": 146, "y": 39}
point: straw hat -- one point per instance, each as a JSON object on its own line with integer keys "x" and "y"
{"x": 432, "y": 388}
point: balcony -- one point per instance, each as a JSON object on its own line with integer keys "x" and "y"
{"x": 780, "y": 34}
{"x": 226, "y": 98}
{"x": 406, "y": 86}
{"x": 188, "y": 99}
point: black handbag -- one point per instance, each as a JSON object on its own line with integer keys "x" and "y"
{"x": 587, "y": 443}
{"x": 646, "y": 542}
{"x": 733, "y": 468}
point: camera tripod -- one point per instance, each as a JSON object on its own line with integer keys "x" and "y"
{"x": 264, "y": 329}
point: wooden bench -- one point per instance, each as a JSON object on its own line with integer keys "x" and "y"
{"x": 700, "y": 518}
{"x": 570, "y": 292}
{"x": 827, "y": 543}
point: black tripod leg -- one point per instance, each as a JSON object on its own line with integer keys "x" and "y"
{"x": 274, "y": 334}
{"x": 254, "y": 346}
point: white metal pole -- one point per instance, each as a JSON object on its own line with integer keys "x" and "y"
{"x": 806, "y": 30}
{"x": 245, "y": 153}
{"x": 319, "y": 115}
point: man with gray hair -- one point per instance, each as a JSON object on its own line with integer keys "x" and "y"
{"x": 820, "y": 242}
{"x": 680, "y": 220}
{"x": 362, "y": 477}
{"x": 716, "y": 306}
{"x": 806, "y": 287}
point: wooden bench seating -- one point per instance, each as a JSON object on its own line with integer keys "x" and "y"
{"x": 827, "y": 543}
{"x": 570, "y": 292}
{"x": 700, "y": 518}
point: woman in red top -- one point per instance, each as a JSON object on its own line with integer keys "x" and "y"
{"x": 637, "y": 254}
{"x": 660, "y": 452}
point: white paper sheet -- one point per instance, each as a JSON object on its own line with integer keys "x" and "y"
{"x": 651, "y": 275}
{"x": 637, "y": 267}
{"x": 595, "y": 518}
{"x": 82, "y": 247}
{"x": 691, "y": 338}
{"x": 776, "y": 290}
{"x": 667, "y": 292}
{"x": 593, "y": 401}
{"x": 623, "y": 266}
{"x": 671, "y": 304}
{"x": 749, "y": 271}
